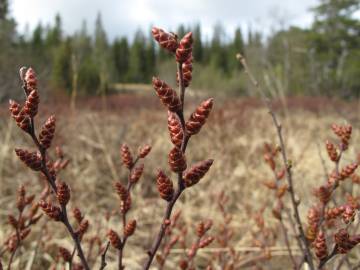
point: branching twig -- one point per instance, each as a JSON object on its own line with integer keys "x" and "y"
{"x": 286, "y": 162}
{"x": 103, "y": 256}
{"x": 328, "y": 258}
{"x": 18, "y": 241}
{"x": 51, "y": 179}
{"x": 181, "y": 186}
{"x": 129, "y": 187}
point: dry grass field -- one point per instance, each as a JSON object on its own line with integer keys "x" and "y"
{"x": 236, "y": 131}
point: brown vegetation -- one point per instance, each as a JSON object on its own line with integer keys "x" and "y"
{"x": 223, "y": 222}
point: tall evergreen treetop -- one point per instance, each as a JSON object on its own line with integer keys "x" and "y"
{"x": 54, "y": 35}
{"x": 4, "y": 9}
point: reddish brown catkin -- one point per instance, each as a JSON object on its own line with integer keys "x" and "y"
{"x": 39, "y": 160}
{"x": 344, "y": 243}
{"x": 47, "y": 132}
{"x": 179, "y": 137}
{"x": 205, "y": 242}
{"x": 320, "y": 246}
{"x": 125, "y": 205}
{"x": 198, "y": 118}
{"x": 332, "y": 152}
{"x": 77, "y": 215}
{"x": 126, "y": 156}
{"x": 195, "y": 173}
{"x": 31, "y": 104}
{"x": 175, "y": 130}
{"x": 313, "y": 222}
{"x": 21, "y": 119}
{"x": 12, "y": 221}
{"x": 31, "y": 159}
{"x": 184, "y": 50}
{"x": 114, "y": 239}
{"x": 348, "y": 170}
{"x": 121, "y": 191}
{"x": 144, "y": 151}
{"x": 187, "y": 72}
{"x": 30, "y": 79}
{"x": 63, "y": 193}
{"x": 177, "y": 160}
{"x": 50, "y": 210}
{"x": 65, "y": 254}
{"x": 167, "y": 95}
{"x": 348, "y": 214}
{"x": 165, "y": 186}
{"x": 166, "y": 40}
{"x": 136, "y": 173}
{"x": 83, "y": 228}
{"x": 130, "y": 228}
{"x": 324, "y": 193}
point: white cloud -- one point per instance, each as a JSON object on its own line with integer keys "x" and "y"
{"x": 123, "y": 17}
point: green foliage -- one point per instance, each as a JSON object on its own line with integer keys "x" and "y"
{"x": 8, "y": 51}
{"x": 4, "y": 9}
{"x": 120, "y": 54}
{"x": 62, "y": 72}
{"x": 321, "y": 60}
{"x": 37, "y": 42}
{"x": 137, "y": 67}
{"x": 335, "y": 37}
{"x": 89, "y": 78}
{"x": 54, "y": 35}
{"x": 150, "y": 59}
{"x": 102, "y": 55}
{"x": 237, "y": 46}
{"x": 219, "y": 57}
{"x": 198, "y": 50}
{"x": 288, "y": 60}
{"x": 209, "y": 78}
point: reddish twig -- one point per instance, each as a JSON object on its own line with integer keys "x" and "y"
{"x": 18, "y": 240}
{"x": 181, "y": 186}
{"x": 175, "y": 105}
{"x": 130, "y": 184}
{"x": 103, "y": 256}
{"x": 307, "y": 252}
{"x": 51, "y": 179}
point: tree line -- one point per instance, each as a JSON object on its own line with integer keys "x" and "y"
{"x": 320, "y": 60}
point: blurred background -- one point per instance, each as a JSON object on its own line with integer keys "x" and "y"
{"x": 297, "y": 48}
{"x": 95, "y": 60}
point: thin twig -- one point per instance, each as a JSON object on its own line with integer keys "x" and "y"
{"x": 123, "y": 242}
{"x": 287, "y": 243}
{"x": 240, "y": 249}
{"x": 181, "y": 187}
{"x": 163, "y": 226}
{"x": 291, "y": 189}
{"x": 18, "y": 240}
{"x": 323, "y": 164}
{"x": 328, "y": 258}
{"x": 72, "y": 258}
{"x": 283, "y": 227}
{"x": 346, "y": 258}
{"x": 286, "y": 162}
{"x": 103, "y": 256}
{"x": 333, "y": 187}
{"x": 51, "y": 180}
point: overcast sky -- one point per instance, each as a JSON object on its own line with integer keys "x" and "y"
{"x": 123, "y": 17}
